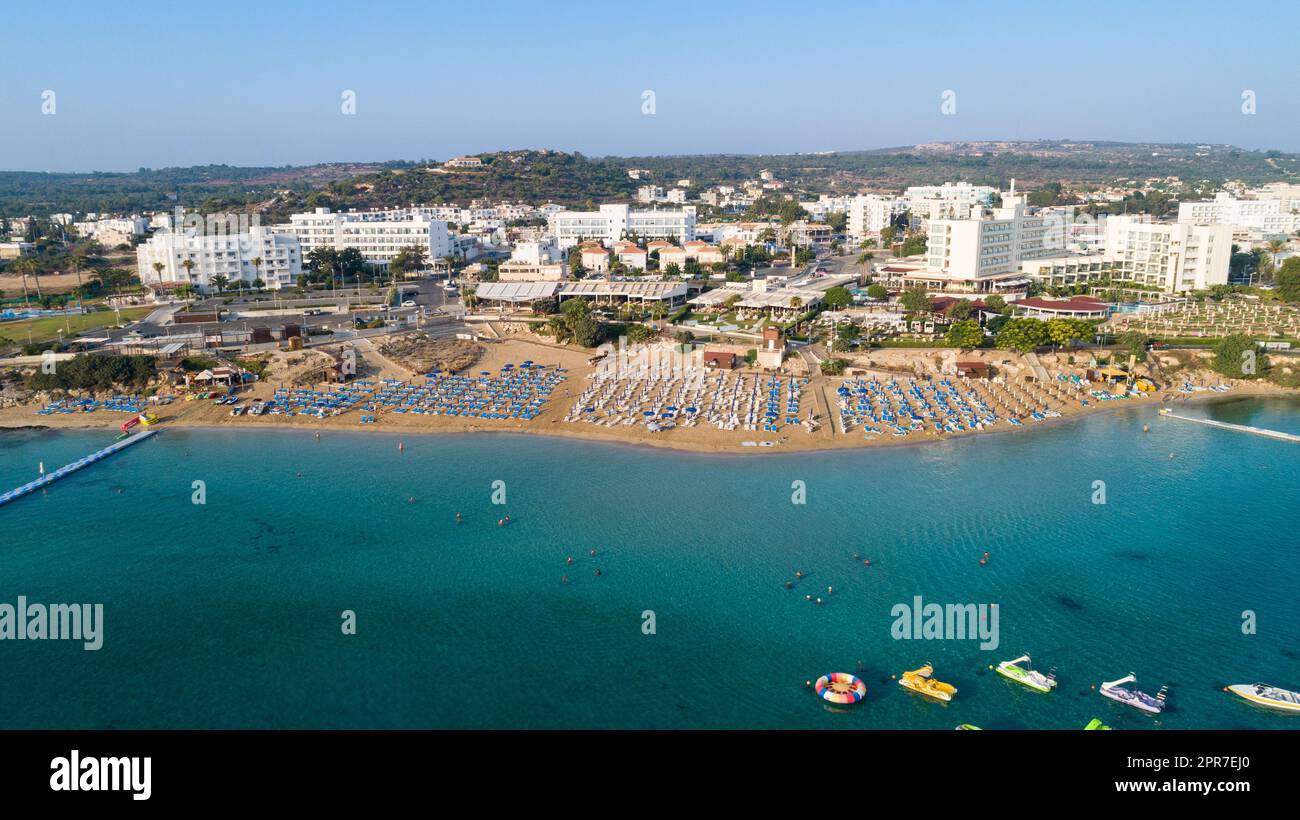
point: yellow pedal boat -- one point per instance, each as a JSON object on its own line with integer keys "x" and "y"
{"x": 919, "y": 680}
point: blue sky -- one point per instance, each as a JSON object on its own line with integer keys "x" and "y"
{"x": 261, "y": 83}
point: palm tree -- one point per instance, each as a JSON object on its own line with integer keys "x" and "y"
{"x": 22, "y": 271}
{"x": 256, "y": 262}
{"x": 75, "y": 264}
{"x": 30, "y": 267}
{"x": 188, "y": 264}
{"x": 220, "y": 281}
{"x": 1276, "y": 246}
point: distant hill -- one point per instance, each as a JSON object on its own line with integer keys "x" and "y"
{"x": 219, "y": 186}
{"x": 574, "y": 180}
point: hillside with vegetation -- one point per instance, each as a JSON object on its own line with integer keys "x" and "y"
{"x": 575, "y": 180}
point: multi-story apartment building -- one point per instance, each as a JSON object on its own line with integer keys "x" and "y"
{"x": 113, "y": 231}
{"x": 379, "y": 235}
{"x": 869, "y": 214}
{"x": 984, "y": 252}
{"x": 1174, "y": 257}
{"x": 947, "y": 201}
{"x": 615, "y": 222}
{"x": 257, "y": 253}
{"x": 1257, "y": 217}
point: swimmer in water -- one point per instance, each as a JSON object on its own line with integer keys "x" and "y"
{"x": 458, "y": 518}
{"x": 593, "y": 553}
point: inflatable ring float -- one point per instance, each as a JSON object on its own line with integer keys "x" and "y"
{"x": 841, "y": 687}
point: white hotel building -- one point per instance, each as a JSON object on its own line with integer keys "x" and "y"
{"x": 983, "y": 254}
{"x": 947, "y": 201}
{"x": 1249, "y": 217}
{"x": 869, "y": 214}
{"x": 220, "y": 254}
{"x": 379, "y": 235}
{"x": 1174, "y": 257}
{"x": 613, "y": 223}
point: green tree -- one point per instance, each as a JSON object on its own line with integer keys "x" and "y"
{"x": 917, "y": 300}
{"x": 1023, "y": 334}
{"x": 1286, "y": 282}
{"x": 1237, "y": 357}
{"x": 1068, "y": 331}
{"x": 965, "y": 334}
{"x": 878, "y": 292}
{"x": 961, "y": 309}
{"x": 837, "y": 297}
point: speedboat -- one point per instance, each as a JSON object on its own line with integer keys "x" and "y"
{"x": 1132, "y": 697}
{"x": 920, "y": 680}
{"x": 1265, "y": 695}
{"x": 1024, "y": 675}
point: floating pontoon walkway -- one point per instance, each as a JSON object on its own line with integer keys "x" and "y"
{"x": 50, "y": 478}
{"x": 1259, "y": 431}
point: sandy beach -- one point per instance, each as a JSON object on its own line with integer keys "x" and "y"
{"x": 819, "y": 395}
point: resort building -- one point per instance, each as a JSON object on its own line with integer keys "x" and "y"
{"x": 984, "y": 253}
{"x": 195, "y": 258}
{"x": 595, "y": 259}
{"x": 1172, "y": 257}
{"x": 632, "y": 255}
{"x": 464, "y": 162}
{"x": 379, "y": 235}
{"x": 1175, "y": 257}
{"x": 514, "y": 294}
{"x": 533, "y": 262}
{"x": 869, "y": 214}
{"x": 1076, "y": 307}
{"x": 613, "y": 223}
{"x": 673, "y": 294}
{"x": 1247, "y": 217}
{"x": 781, "y": 304}
{"x": 951, "y": 200}
{"x": 113, "y": 231}
{"x": 14, "y": 250}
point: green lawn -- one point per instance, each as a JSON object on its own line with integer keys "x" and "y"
{"x": 43, "y": 330}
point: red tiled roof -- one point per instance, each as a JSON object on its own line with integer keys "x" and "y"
{"x": 1081, "y": 304}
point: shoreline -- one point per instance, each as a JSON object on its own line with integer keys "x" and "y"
{"x": 663, "y": 441}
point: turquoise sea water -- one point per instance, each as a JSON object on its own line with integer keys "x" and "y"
{"x": 227, "y": 614}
